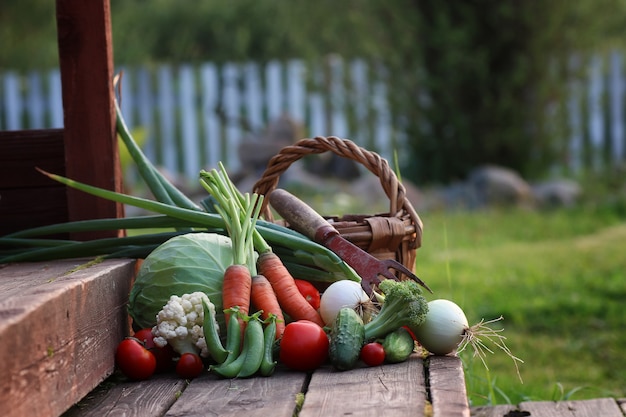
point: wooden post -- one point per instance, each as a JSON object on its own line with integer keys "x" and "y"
{"x": 91, "y": 152}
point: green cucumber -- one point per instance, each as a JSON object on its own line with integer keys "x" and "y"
{"x": 398, "y": 345}
{"x": 347, "y": 335}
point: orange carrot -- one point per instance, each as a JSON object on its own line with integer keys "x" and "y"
{"x": 289, "y": 297}
{"x": 264, "y": 298}
{"x": 236, "y": 289}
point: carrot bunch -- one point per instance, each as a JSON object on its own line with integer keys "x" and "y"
{"x": 240, "y": 220}
{"x": 264, "y": 283}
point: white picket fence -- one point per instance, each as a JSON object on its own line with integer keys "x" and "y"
{"x": 193, "y": 116}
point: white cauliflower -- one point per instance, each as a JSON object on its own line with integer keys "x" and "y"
{"x": 179, "y": 324}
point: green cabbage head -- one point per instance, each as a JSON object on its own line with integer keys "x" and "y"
{"x": 182, "y": 265}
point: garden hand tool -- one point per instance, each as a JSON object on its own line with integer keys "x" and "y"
{"x": 304, "y": 219}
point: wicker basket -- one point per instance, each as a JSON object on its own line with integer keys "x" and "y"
{"x": 394, "y": 235}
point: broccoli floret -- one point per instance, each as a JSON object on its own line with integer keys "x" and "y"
{"x": 404, "y": 305}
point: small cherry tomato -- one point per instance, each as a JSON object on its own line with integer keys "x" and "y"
{"x": 145, "y": 336}
{"x": 189, "y": 366}
{"x": 309, "y": 292}
{"x": 164, "y": 355}
{"x": 373, "y": 354}
{"x": 134, "y": 360}
{"x": 304, "y": 346}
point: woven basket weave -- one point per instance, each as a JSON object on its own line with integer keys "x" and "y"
{"x": 394, "y": 235}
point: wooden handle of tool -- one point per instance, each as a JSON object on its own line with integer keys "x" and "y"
{"x": 297, "y": 213}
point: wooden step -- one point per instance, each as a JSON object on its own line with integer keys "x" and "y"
{"x": 605, "y": 407}
{"x": 396, "y": 390}
{"x": 60, "y": 323}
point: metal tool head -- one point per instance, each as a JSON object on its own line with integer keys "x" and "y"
{"x": 371, "y": 270}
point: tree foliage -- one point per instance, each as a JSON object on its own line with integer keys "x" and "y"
{"x": 471, "y": 82}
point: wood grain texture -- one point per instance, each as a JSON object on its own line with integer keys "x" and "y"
{"x": 447, "y": 386}
{"x": 27, "y": 197}
{"x": 398, "y": 388}
{"x": 21, "y": 151}
{"x": 58, "y": 332}
{"x": 131, "y": 398}
{"x": 605, "y": 407}
{"x": 91, "y": 152}
{"x": 208, "y": 396}
{"x": 497, "y": 411}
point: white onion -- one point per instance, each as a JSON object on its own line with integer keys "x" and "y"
{"x": 339, "y": 294}
{"x": 444, "y": 328}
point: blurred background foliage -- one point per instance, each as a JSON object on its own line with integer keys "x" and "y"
{"x": 472, "y": 82}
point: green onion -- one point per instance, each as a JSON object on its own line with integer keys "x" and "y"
{"x": 142, "y": 222}
{"x": 163, "y": 190}
{"x": 173, "y": 210}
{"x": 96, "y": 247}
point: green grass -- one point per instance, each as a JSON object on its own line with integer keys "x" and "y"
{"x": 559, "y": 280}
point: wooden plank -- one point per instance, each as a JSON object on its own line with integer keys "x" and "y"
{"x": 131, "y": 398}
{"x": 17, "y": 279}
{"x": 210, "y": 101}
{"x": 497, "y": 411}
{"x": 255, "y": 397}
{"x": 35, "y": 104}
{"x": 21, "y": 151}
{"x": 399, "y": 388}
{"x": 296, "y": 91}
{"x": 597, "y": 124}
{"x": 232, "y": 105}
{"x": 189, "y": 122}
{"x": 91, "y": 152}
{"x": 58, "y": 331}
{"x": 274, "y": 90}
{"x": 55, "y": 98}
{"x": 168, "y": 150}
{"x": 252, "y": 102}
{"x": 27, "y": 197}
{"x": 616, "y": 90}
{"x": 32, "y": 207}
{"x": 447, "y": 386}
{"x": 13, "y": 100}
{"x": 605, "y": 407}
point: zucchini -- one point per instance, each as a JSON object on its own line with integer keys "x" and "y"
{"x": 398, "y": 346}
{"x": 347, "y": 335}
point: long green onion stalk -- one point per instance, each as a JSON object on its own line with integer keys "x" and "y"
{"x": 171, "y": 210}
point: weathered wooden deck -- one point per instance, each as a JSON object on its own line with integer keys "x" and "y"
{"x": 393, "y": 390}
{"x": 60, "y": 323}
{"x": 601, "y": 407}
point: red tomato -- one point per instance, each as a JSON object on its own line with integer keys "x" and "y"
{"x": 189, "y": 366}
{"x": 309, "y": 292}
{"x": 304, "y": 346}
{"x": 373, "y": 354}
{"x": 145, "y": 336}
{"x": 134, "y": 360}
{"x": 164, "y": 355}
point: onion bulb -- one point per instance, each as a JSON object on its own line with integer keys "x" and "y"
{"x": 443, "y": 329}
{"x": 446, "y": 329}
{"x": 340, "y": 294}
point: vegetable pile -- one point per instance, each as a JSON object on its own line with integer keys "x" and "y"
{"x": 233, "y": 295}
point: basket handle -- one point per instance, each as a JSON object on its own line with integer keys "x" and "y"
{"x": 395, "y": 191}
